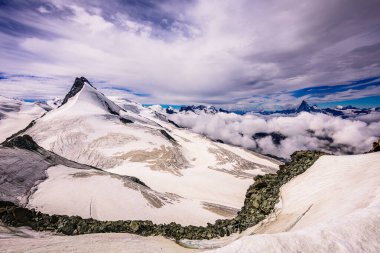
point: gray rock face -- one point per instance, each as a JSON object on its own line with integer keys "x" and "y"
{"x": 19, "y": 171}
{"x": 23, "y": 164}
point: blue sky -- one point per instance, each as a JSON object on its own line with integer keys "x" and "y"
{"x": 366, "y": 102}
{"x": 240, "y": 54}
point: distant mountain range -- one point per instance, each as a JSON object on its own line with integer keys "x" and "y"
{"x": 196, "y": 109}
{"x": 342, "y": 111}
{"x": 338, "y": 111}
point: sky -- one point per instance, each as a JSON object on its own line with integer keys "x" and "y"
{"x": 235, "y": 54}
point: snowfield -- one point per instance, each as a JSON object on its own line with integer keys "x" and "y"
{"x": 16, "y": 115}
{"x": 333, "y": 207}
{"x": 208, "y": 180}
{"x": 91, "y": 194}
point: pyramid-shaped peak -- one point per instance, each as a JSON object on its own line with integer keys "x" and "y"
{"x": 89, "y": 99}
{"x": 304, "y": 107}
{"x": 304, "y": 103}
{"x": 77, "y": 86}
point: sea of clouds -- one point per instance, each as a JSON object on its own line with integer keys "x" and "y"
{"x": 305, "y": 131}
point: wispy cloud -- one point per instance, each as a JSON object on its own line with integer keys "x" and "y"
{"x": 125, "y": 90}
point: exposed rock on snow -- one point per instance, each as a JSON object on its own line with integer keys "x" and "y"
{"x": 55, "y": 102}
{"x": 77, "y": 87}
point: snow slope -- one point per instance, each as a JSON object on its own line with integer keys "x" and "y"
{"x": 92, "y": 194}
{"x": 333, "y": 207}
{"x": 91, "y": 129}
{"x": 16, "y": 115}
{"x": 25, "y": 240}
{"x": 32, "y": 176}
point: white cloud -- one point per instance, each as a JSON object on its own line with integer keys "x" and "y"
{"x": 43, "y": 10}
{"x": 305, "y": 131}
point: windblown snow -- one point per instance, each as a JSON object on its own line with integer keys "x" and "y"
{"x": 202, "y": 180}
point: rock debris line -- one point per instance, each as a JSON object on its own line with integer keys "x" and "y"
{"x": 260, "y": 200}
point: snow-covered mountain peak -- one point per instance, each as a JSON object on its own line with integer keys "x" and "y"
{"x": 304, "y": 107}
{"x": 77, "y": 87}
{"x": 84, "y": 98}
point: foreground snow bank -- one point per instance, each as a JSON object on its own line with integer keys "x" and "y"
{"x": 25, "y": 240}
{"x": 333, "y": 207}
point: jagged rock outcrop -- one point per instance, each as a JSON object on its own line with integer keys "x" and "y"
{"x": 77, "y": 87}
{"x": 24, "y": 142}
{"x": 376, "y": 146}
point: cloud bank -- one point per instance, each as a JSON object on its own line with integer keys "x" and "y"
{"x": 281, "y": 136}
{"x": 232, "y": 52}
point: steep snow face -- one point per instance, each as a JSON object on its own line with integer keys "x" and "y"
{"x": 333, "y": 207}
{"x": 16, "y": 115}
{"x": 88, "y": 101}
{"x": 141, "y": 143}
